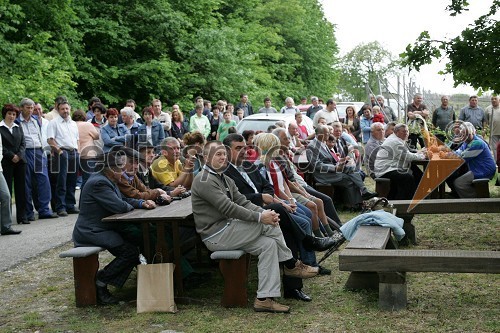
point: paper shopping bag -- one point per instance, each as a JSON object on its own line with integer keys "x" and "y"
{"x": 155, "y": 288}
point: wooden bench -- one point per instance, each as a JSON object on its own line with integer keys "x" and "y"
{"x": 392, "y": 265}
{"x": 376, "y": 264}
{"x": 481, "y": 186}
{"x": 382, "y": 187}
{"x": 441, "y": 206}
{"x": 234, "y": 268}
{"x": 368, "y": 238}
{"x": 85, "y": 266}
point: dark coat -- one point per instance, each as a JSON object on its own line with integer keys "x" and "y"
{"x": 261, "y": 183}
{"x": 13, "y": 143}
{"x": 100, "y": 198}
{"x": 178, "y": 132}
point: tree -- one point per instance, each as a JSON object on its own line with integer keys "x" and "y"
{"x": 35, "y": 59}
{"x": 364, "y": 64}
{"x": 168, "y": 49}
{"x": 473, "y": 55}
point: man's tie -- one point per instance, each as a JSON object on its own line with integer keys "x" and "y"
{"x": 245, "y": 176}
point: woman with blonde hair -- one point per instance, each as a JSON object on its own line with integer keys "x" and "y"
{"x": 269, "y": 146}
{"x": 179, "y": 126}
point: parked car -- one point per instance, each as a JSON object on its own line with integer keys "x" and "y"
{"x": 261, "y": 121}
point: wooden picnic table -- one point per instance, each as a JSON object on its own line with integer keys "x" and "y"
{"x": 406, "y": 209}
{"x": 179, "y": 212}
{"x": 435, "y": 173}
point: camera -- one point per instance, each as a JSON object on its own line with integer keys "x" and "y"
{"x": 161, "y": 201}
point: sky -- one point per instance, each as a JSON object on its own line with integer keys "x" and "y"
{"x": 397, "y": 23}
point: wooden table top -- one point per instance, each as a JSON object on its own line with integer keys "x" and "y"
{"x": 177, "y": 210}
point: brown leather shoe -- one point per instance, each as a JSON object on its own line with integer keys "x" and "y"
{"x": 301, "y": 270}
{"x": 269, "y": 305}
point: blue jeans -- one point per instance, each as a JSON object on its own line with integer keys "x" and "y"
{"x": 38, "y": 190}
{"x": 66, "y": 166}
{"x": 5, "y": 208}
{"x": 87, "y": 166}
{"x": 302, "y": 217}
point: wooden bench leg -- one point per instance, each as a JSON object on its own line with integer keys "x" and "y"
{"x": 84, "y": 271}
{"x": 482, "y": 187}
{"x": 410, "y": 232}
{"x": 392, "y": 291}
{"x": 235, "y": 274}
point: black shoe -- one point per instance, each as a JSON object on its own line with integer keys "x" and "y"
{"x": 24, "y": 221}
{"x": 31, "y": 219}
{"x": 324, "y": 271}
{"x": 62, "y": 213}
{"x": 104, "y": 297}
{"x": 368, "y": 195}
{"x": 73, "y": 211}
{"x": 297, "y": 294}
{"x": 312, "y": 243}
{"x": 52, "y": 216}
{"x": 11, "y": 231}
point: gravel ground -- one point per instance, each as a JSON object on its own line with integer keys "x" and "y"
{"x": 36, "y": 238}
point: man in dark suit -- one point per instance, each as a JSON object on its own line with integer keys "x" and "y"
{"x": 101, "y": 198}
{"x": 259, "y": 191}
{"x": 329, "y": 169}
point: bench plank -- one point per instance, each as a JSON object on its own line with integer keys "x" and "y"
{"x": 449, "y": 206}
{"x": 453, "y": 261}
{"x": 370, "y": 237}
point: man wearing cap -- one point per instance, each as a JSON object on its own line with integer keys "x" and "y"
{"x": 37, "y": 175}
{"x": 101, "y": 198}
{"x": 130, "y": 185}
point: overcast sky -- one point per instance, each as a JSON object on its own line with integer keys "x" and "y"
{"x": 397, "y": 23}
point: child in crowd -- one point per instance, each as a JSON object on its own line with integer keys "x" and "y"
{"x": 228, "y": 122}
{"x": 322, "y": 121}
{"x": 239, "y": 115}
{"x": 378, "y": 116}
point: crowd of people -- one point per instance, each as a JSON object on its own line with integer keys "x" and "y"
{"x": 246, "y": 191}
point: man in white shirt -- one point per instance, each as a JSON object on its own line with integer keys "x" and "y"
{"x": 62, "y": 136}
{"x": 393, "y": 161}
{"x": 330, "y": 113}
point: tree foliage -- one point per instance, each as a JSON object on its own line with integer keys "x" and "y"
{"x": 473, "y": 55}
{"x": 364, "y": 64}
{"x": 170, "y": 49}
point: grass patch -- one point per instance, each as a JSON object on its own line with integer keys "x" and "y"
{"x": 437, "y": 302}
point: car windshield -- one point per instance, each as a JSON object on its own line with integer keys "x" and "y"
{"x": 255, "y": 124}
